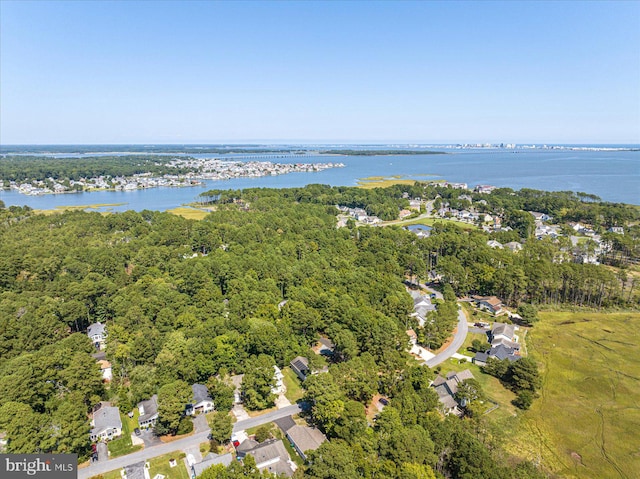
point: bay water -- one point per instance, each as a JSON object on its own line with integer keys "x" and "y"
{"x": 612, "y": 175}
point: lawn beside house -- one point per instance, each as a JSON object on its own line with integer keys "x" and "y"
{"x": 466, "y": 346}
{"x": 123, "y": 445}
{"x": 585, "y": 423}
{"x": 160, "y": 465}
{"x": 292, "y": 383}
{"x": 492, "y": 387}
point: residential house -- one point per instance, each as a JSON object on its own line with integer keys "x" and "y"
{"x": 457, "y": 186}
{"x": 270, "y": 456}
{"x": 498, "y": 352}
{"x": 3, "y": 442}
{"x": 105, "y": 369}
{"x": 489, "y": 303}
{"x": 305, "y": 439}
{"x": 415, "y": 204}
{"x": 201, "y": 402}
{"x": 484, "y": 189}
{"x": 617, "y": 230}
{"x": 540, "y": 217}
{"x": 514, "y": 246}
{"x": 138, "y": 470}
{"x": 98, "y": 334}
{"x": 325, "y": 347}
{"x": 413, "y": 337}
{"x": 446, "y": 388}
{"x": 404, "y": 213}
{"x": 300, "y": 366}
{"x": 106, "y": 424}
{"x": 494, "y": 244}
{"x": 504, "y": 334}
{"x": 547, "y": 230}
{"x": 421, "y": 305}
{"x": 279, "y": 378}
{"x": 148, "y": 411}
{"x": 209, "y": 460}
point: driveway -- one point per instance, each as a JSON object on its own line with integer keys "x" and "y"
{"x": 149, "y": 438}
{"x": 103, "y": 451}
{"x": 458, "y": 341}
{"x": 200, "y": 423}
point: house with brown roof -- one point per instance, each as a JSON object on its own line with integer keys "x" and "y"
{"x": 488, "y": 303}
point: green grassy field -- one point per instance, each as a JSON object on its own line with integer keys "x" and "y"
{"x": 292, "y": 383}
{"x": 123, "y": 445}
{"x": 430, "y": 222}
{"x": 189, "y": 213}
{"x": 586, "y": 422}
{"x": 160, "y": 465}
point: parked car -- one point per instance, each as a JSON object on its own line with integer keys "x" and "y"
{"x": 383, "y": 401}
{"x": 137, "y": 431}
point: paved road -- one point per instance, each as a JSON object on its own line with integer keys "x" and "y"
{"x": 181, "y": 444}
{"x": 458, "y": 341}
{"x": 268, "y": 417}
{"x": 144, "y": 455}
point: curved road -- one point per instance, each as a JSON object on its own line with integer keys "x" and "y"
{"x": 458, "y": 341}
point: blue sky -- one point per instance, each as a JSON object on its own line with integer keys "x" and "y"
{"x": 429, "y": 72}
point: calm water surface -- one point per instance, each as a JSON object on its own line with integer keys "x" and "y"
{"x": 614, "y": 176}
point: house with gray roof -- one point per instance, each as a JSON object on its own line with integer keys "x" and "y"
{"x": 201, "y": 402}
{"x": 446, "y": 388}
{"x": 210, "y": 460}
{"x": 270, "y": 456}
{"x": 106, "y": 424}
{"x": 505, "y": 334}
{"x": 138, "y": 470}
{"x": 300, "y": 366}
{"x": 148, "y": 412}
{"x": 305, "y": 439}
{"x": 97, "y": 334}
{"x": 499, "y": 352}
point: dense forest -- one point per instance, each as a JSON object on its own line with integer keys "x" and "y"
{"x": 194, "y": 301}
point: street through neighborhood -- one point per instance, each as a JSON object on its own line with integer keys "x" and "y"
{"x": 180, "y": 444}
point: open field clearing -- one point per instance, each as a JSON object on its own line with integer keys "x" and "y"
{"x": 586, "y": 422}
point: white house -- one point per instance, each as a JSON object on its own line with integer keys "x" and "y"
{"x": 105, "y": 368}
{"x": 98, "y": 334}
{"x": 279, "y": 378}
{"x": 148, "y": 412}
{"x": 201, "y": 402}
{"x": 106, "y": 424}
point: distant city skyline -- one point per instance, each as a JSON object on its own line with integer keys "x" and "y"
{"x": 319, "y": 72}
